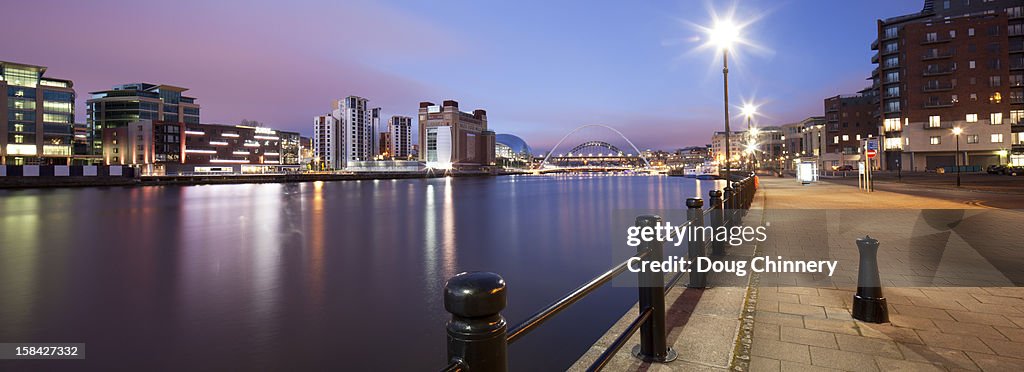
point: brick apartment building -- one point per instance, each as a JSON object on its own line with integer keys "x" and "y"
{"x": 955, "y": 64}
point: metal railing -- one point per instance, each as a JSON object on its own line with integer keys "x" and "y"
{"x": 478, "y": 336}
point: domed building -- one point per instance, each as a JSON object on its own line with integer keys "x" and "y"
{"x": 512, "y": 151}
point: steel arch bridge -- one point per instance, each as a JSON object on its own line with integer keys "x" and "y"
{"x": 589, "y": 147}
{"x": 595, "y": 155}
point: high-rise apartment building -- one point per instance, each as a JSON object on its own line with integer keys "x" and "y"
{"x": 955, "y": 64}
{"x": 348, "y": 133}
{"x": 400, "y": 137}
{"x": 38, "y": 115}
{"x": 327, "y": 149}
{"x": 128, "y": 103}
{"x": 452, "y": 138}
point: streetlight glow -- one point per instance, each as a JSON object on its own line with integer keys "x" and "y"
{"x": 749, "y": 110}
{"x": 724, "y": 34}
{"x": 957, "y": 131}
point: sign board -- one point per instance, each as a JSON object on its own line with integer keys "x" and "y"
{"x": 872, "y": 153}
{"x": 872, "y": 144}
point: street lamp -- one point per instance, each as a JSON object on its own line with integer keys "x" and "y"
{"x": 723, "y": 35}
{"x": 749, "y": 111}
{"x": 956, "y": 132}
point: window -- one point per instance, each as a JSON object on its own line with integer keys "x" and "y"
{"x": 19, "y": 138}
{"x": 1016, "y": 116}
{"x": 891, "y": 124}
{"x": 935, "y": 140}
{"x": 835, "y": 139}
{"x": 952, "y": 33}
{"x": 972, "y": 138}
{"x": 996, "y": 118}
{"x": 892, "y": 77}
{"x": 995, "y": 81}
{"x": 931, "y": 36}
{"x": 972, "y": 118}
{"x": 858, "y": 137}
{"x": 891, "y": 32}
{"x": 846, "y": 137}
{"x": 934, "y": 121}
{"x": 970, "y": 31}
{"x": 974, "y": 96}
{"x": 970, "y": 64}
{"x": 997, "y": 138}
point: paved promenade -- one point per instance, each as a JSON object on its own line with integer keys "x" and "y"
{"x": 950, "y": 272}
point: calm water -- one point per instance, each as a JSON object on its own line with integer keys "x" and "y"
{"x": 338, "y": 275}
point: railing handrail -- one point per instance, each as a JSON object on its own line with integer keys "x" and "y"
{"x": 738, "y": 195}
{"x": 565, "y": 301}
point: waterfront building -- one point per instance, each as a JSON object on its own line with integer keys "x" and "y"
{"x": 512, "y": 151}
{"x": 813, "y": 142}
{"x": 347, "y": 133}
{"x": 306, "y": 154}
{"x": 400, "y": 136}
{"x": 453, "y": 138}
{"x": 127, "y": 103}
{"x": 38, "y": 116}
{"x": 849, "y": 119}
{"x": 737, "y": 142}
{"x": 384, "y": 146}
{"x": 953, "y": 64}
{"x": 178, "y": 148}
{"x": 792, "y": 143}
{"x": 769, "y": 146}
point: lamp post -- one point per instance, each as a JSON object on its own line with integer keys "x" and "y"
{"x": 749, "y": 111}
{"x": 723, "y": 35}
{"x": 956, "y": 132}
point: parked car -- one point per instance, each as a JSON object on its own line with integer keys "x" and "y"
{"x": 995, "y": 169}
{"x": 1014, "y": 170}
{"x": 841, "y": 168}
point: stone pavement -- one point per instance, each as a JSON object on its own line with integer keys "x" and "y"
{"x": 950, "y": 273}
{"x": 938, "y": 322}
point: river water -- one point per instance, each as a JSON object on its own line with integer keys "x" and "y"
{"x": 337, "y": 275}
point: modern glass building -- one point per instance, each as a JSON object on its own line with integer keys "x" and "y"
{"x": 38, "y": 114}
{"x": 512, "y": 151}
{"x": 128, "y": 103}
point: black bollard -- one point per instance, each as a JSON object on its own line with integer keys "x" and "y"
{"x": 653, "y": 342}
{"x": 717, "y": 219}
{"x": 476, "y": 332}
{"x": 695, "y": 245}
{"x": 868, "y": 304}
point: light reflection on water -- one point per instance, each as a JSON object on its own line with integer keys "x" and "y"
{"x": 336, "y": 275}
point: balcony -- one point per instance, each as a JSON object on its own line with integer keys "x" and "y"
{"x": 874, "y": 58}
{"x": 931, "y": 56}
{"x": 938, "y": 104}
{"x": 935, "y": 40}
{"x": 1017, "y": 128}
{"x": 874, "y": 45}
{"x": 937, "y": 87}
{"x": 936, "y": 71}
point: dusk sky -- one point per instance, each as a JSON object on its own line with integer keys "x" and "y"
{"x": 539, "y": 68}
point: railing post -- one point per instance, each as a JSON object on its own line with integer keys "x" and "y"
{"x": 868, "y": 304}
{"x": 476, "y": 332}
{"x": 717, "y": 219}
{"x": 730, "y": 199}
{"x": 695, "y": 246}
{"x": 653, "y": 342}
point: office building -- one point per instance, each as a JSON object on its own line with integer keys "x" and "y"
{"x": 955, "y": 64}
{"x": 400, "y": 135}
{"x": 128, "y": 103}
{"x": 200, "y": 148}
{"x": 453, "y": 138}
{"x": 813, "y": 142}
{"x": 38, "y": 114}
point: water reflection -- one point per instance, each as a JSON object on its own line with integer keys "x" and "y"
{"x": 304, "y": 276}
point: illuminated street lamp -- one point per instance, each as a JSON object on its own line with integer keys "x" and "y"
{"x": 724, "y": 35}
{"x": 956, "y": 132}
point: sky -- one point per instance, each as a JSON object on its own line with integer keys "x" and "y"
{"x": 539, "y": 68}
